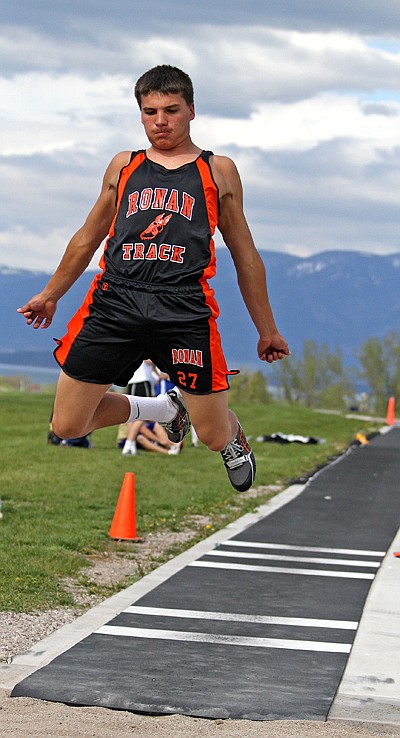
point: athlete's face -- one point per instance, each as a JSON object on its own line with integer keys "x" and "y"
{"x": 166, "y": 120}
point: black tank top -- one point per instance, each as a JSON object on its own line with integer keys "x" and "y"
{"x": 165, "y": 222}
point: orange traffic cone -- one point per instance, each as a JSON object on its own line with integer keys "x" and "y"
{"x": 390, "y": 411}
{"x": 123, "y": 526}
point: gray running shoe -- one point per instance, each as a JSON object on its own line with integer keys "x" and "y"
{"x": 239, "y": 462}
{"x": 180, "y": 425}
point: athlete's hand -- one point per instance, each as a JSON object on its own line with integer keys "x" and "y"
{"x": 273, "y": 348}
{"x": 39, "y": 311}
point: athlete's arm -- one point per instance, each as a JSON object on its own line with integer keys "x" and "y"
{"x": 248, "y": 263}
{"x": 40, "y": 309}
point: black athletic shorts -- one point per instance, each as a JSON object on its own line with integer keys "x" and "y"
{"x": 121, "y": 323}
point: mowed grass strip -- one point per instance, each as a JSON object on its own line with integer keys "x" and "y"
{"x": 58, "y": 502}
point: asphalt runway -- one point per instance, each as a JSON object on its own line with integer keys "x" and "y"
{"x": 261, "y": 625}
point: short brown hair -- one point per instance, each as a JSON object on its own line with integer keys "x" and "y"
{"x": 166, "y": 80}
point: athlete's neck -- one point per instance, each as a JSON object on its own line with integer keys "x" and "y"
{"x": 173, "y": 158}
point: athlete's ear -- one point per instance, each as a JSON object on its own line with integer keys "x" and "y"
{"x": 192, "y": 111}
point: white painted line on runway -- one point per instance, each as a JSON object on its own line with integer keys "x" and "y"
{"x": 313, "y": 549}
{"x": 224, "y": 640}
{"x": 304, "y": 559}
{"x": 282, "y": 570}
{"x": 241, "y": 618}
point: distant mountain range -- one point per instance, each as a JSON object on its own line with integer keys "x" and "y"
{"x": 335, "y": 297}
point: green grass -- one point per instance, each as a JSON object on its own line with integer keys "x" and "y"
{"x": 58, "y": 503}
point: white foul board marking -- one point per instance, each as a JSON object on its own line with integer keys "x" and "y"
{"x": 223, "y": 640}
{"x": 303, "y": 559}
{"x": 242, "y": 618}
{"x": 283, "y": 570}
{"x": 312, "y": 549}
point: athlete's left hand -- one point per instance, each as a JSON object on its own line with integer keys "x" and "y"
{"x": 273, "y": 348}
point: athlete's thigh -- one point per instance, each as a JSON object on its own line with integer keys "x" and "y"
{"x": 208, "y": 411}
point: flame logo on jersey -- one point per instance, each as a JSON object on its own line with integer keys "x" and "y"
{"x": 157, "y": 225}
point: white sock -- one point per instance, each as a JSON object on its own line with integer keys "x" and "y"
{"x": 160, "y": 409}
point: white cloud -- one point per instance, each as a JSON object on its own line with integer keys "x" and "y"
{"x": 29, "y": 250}
{"x": 231, "y": 68}
{"x": 61, "y": 18}
{"x": 304, "y": 124}
{"x": 48, "y": 112}
{"x": 311, "y": 117}
{"x": 26, "y": 249}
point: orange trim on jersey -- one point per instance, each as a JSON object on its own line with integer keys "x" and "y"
{"x": 219, "y": 367}
{"x": 212, "y": 205}
{"x": 75, "y": 325}
{"x": 125, "y": 173}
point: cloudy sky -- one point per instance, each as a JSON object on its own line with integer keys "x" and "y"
{"x": 303, "y": 94}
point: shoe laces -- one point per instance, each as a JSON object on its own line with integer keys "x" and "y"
{"x": 180, "y": 418}
{"x": 233, "y": 455}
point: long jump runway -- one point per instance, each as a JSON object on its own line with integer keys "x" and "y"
{"x": 259, "y": 627}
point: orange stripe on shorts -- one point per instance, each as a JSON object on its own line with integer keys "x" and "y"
{"x": 75, "y": 325}
{"x": 219, "y": 367}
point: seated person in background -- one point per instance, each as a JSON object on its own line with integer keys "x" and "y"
{"x": 162, "y": 384}
{"x": 141, "y": 382}
{"x": 150, "y": 437}
{"x": 141, "y": 385}
{"x": 82, "y": 442}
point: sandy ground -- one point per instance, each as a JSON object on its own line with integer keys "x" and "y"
{"x": 22, "y": 717}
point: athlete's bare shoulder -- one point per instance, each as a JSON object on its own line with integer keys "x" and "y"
{"x": 113, "y": 171}
{"x": 225, "y": 174}
{"x": 122, "y": 158}
{"x": 119, "y": 161}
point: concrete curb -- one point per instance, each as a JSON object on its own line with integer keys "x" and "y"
{"x": 370, "y": 687}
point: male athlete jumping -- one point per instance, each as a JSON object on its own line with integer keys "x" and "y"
{"x": 159, "y": 209}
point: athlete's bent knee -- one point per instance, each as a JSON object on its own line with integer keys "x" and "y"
{"x": 64, "y": 429}
{"x": 214, "y": 438}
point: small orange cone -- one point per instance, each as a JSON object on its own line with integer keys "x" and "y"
{"x": 390, "y": 411}
{"x": 123, "y": 526}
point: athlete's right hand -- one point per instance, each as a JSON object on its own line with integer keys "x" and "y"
{"x": 39, "y": 311}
